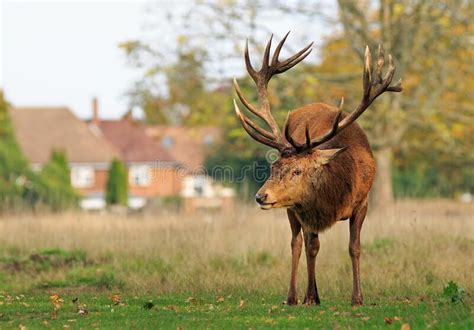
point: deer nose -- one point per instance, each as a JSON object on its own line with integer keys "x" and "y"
{"x": 260, "y": 198}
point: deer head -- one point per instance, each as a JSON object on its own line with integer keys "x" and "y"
{"x": 300, "y": 165}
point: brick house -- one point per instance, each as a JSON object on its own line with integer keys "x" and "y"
{"x": 190, "y": 146}
{"x": 90, "y": 147}
{"x": 152, "y": 171}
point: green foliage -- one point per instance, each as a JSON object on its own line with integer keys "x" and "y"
{"x": 117, "y": 184}
{"x": 453, "y": 293}
{"x": 14, "y": 172}
{"x": 52, "y": 185}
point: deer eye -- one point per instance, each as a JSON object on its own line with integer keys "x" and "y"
{"x": 297, "y": 172}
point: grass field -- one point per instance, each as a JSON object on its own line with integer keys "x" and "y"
{"x": 82, "y": 270}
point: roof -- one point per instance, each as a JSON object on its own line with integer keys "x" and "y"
{"x": 132, "y": 141}
{"x": 39, "y": 130}
{"x": 188, "y": 145}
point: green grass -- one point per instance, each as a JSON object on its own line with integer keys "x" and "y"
{"x": 231, "y": 310}
{"x": 416, "y": 269}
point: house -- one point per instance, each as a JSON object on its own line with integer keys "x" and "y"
{"x": 40, "y": 130}
{"x": 152, "y": 171}
{"x": 91, "y": 146}
{"x": 190, "y": 146}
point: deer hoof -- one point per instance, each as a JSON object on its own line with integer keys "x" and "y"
{"x": 311, "y": 301}
{"x": 291, "y": 301}
{"x": 357, "y": 301}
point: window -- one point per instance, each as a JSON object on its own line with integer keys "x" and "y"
{"x": 208, "y": 140}
{"x": 199, "y": 186}
{"x": 140, "y": 175}
{"x": 82, "y": 176}
{"x": 167, "y": 142}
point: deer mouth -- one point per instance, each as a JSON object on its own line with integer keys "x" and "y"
{"x": 266, "y": 206}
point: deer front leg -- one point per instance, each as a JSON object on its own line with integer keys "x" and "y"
{"x": 296, "y": 244}
{"x": 356, "y": 222}
{"x": 311, "y": 242}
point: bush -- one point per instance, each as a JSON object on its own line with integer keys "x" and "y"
{"x": 453, "y": 293}
{"x": 53, "y": 184}
{"x": 117, "y": 184}
{"x": 14, "y": 171}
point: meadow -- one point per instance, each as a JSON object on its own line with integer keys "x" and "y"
{"x": 215, "y": 270}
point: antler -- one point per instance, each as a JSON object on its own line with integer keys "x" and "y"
{"x": 372, "y": 89}
{"x": 261, "y": 78}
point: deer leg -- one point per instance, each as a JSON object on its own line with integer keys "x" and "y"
{"x": 311, "y": 242}
{"x": 296, "y": 244}
{"x": 356, "y": 222}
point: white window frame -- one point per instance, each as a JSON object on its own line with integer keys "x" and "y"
{"x": 82, "y": 176}
{"x": 140, "y": 175}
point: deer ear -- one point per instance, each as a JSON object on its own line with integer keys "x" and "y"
{"x": 326, "y": 155}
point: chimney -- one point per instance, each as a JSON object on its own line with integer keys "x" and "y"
{"x": 95, "y": 112}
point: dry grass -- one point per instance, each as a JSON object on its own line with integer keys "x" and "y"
{"x": 414, "y": 248}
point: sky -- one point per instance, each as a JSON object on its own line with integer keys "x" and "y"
{"x": 64, "y": 53}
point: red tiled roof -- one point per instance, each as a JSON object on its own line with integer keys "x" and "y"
{"x": 132, "y": 141}
{"x": 40, "y": 130}
{"x": 188, "y": 145}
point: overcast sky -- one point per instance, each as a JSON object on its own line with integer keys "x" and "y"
{"x": 62, "y": 53}
{"x": 65, "y": 53}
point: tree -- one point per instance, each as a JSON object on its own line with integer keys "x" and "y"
{"x": 117, "y": 184}
{"x": 420, "y": 35}
{"x": 14, "y": 171}
{"x": 53, "y": 184}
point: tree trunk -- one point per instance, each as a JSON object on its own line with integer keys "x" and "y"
{"x": 382, "y": 192}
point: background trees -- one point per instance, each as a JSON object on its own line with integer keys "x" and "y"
{"x": 420, "y": 137}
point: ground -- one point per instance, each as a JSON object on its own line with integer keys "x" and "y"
{"x": 217, "y": 270}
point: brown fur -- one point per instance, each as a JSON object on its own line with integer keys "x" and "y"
{"x": 326, "y": 167}
{"x": 323, "y": 193}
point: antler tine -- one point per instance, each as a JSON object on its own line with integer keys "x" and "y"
{"x": 248, "y": 64}
{"x": 380, "y": 62}
{"x": 244, "y": 100}
{"x": 251, "y": 128}
{"x": 397, "y": 87}
{"x": 276, "y": 54}
{"x": 292, "y": 61}
{"x": 367, "y": 72}
{"x": 266, "y": 55}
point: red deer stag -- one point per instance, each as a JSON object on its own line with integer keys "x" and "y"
{"x": 326, "y": 167}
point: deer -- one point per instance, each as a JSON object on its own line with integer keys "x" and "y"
{"x": 325, "y": 166}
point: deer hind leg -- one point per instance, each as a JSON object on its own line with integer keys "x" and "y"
{"x": 311, "y": 242}
{"x": 296, "y": 244}
{"x": 356, "y": 222}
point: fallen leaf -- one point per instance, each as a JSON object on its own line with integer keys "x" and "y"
{"x": 56, "y": 300}
{"x": 241, "y": 303}
{"x": 405, "y": 326}
{"x": 220, "y": 299}
{"x": 388, "y": 320}
{"x": 366, "y": 318}
{"x": 397, "y": 318}
{"x": 173, "y": 308}
{"x": 82, "y": 309}
{"x": 116, "y": 299}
